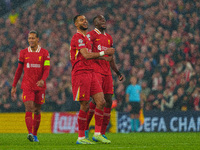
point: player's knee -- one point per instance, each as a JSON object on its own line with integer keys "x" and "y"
{"x": 29, "y": 108}
{"x": 103, "y": 102}
{"x": 37, "y": 112}
{"x": 108, "y": 104}
{"x": 84, "y": 106}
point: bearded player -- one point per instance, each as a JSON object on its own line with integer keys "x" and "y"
{"x": 102, "y": 41}
{"x": 84, "y": 81}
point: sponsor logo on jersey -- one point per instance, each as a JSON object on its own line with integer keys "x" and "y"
{"x": 101, "y": 48}
{"x": 97, "y": 39}
{"x": 26, "y": 57}
{"x": 33, "y": 65}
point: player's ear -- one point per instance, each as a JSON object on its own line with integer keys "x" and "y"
{"x": 76, "y": 24}
{"x": 95, "y": 23}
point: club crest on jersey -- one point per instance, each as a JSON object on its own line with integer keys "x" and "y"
{"x": 40, "y": 58}
{"x": 108, "y": 42}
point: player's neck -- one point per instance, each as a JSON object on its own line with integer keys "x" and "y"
{"x": 34, "y": 49}
{"x": 82, "y": 31}
{"x": 101, "y": 30}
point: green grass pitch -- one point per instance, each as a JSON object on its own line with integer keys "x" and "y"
{"x": 135, "y": 141}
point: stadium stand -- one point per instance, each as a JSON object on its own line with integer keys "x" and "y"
{"x": 158, "y": 41}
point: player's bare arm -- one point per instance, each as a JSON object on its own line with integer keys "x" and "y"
{"x": 108, "y": 58}
{"x": 114, "y": 68}
{"x": 88, "y": 55}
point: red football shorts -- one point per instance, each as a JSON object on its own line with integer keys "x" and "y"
{"x": 106, "y": 82}
{"x": 31, "y": 95}
{"x": 84, "y": 86}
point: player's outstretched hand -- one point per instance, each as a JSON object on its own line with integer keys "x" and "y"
{"x": 40, "y": 83}
{"x": 110, "y": 51}
{"x": 13, "y": 91}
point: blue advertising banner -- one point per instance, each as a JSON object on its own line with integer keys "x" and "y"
{"x": 163, "y": 122}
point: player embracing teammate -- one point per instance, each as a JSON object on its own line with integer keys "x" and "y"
{"x": 84, "y": 81}
{"x": 101, "y": 41}
{"x": 91, "y": 58}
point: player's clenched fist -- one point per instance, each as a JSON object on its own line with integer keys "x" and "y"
{"x": 110, "y": 51}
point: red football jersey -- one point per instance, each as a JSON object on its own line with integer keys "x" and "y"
{"x": 79, "y": 63}
{"x": 100, "y": 42}
{"x": 34, "y": 63}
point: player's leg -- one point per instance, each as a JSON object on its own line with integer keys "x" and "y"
{"x": 39, "y": 100}
{"x": 90, "y": 114}
{"x": 100, "y": 102}
{"x": 92, "y": 107}
{"x": 29, "y": 109}
{"x": 36, "y": 121}
{"x": 84, "y": 106}
{"x": 98, "y": 96}
{"x": 106, "y": 115}
{"x": 81, "y": 92}
{"x": 107, "y": 86}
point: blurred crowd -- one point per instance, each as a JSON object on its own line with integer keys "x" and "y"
{"x": 157, "y": 41}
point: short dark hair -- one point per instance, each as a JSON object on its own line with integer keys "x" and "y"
{"x": 35, "y": 32}
{"x": 95, "y": 18}
{"x": 76, "y": 17}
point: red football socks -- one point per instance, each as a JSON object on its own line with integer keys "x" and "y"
{"x": 98, "y": 120}
{"x": 36, "y": 123}
{"x": 106, "y": 120}
{"x": 29, "y": 121}
{"x": 81, "y": 123}
{"x": 90, "y": 114}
